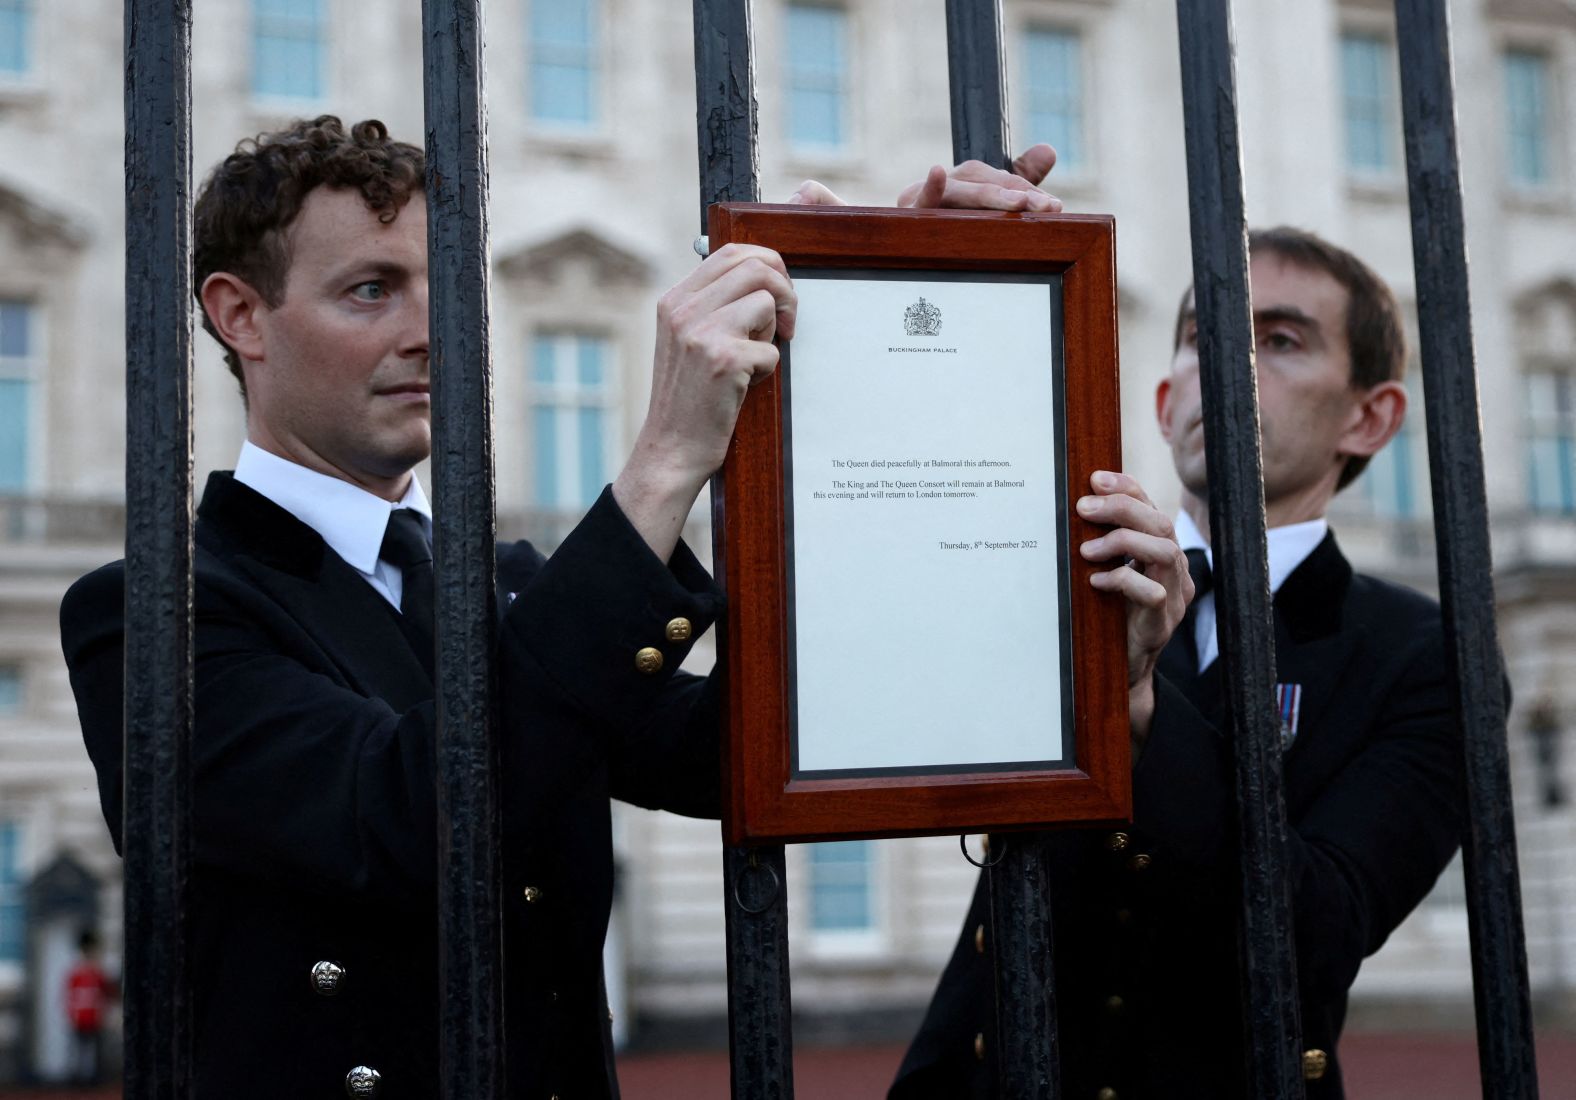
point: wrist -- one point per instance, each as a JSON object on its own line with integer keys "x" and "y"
{"x": 1140, "y": 712}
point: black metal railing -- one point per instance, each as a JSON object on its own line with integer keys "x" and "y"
{"x": 159, "y": 557}
{"x": 158, "y": 677}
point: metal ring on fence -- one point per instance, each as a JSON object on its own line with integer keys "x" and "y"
{"x": 963, "y": 843}
{"x": 770, "y": 895}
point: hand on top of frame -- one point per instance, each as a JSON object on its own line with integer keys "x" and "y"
{"x": 972, "y": 185}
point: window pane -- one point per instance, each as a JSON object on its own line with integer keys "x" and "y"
{"x": 1053, "y": 71}
{"x": 817, "y": 75}
{"x": 562, "y": 46}
{"x": 840, "y": 886}
{"x": 15, "y": 330}
{"x": 544, "y": 429}
{"x": 1368, "y": 103}
{"x": 16, "y": 397}
{"x": 10, "y": 689}
{"x": 288, "y": 48}
{"x": 571, "y": 379}
{"x": 12, "y": 922}
{"x": 592, "y": 448}
{"x": 1551, "y": 440}
{"x": 16, "y": 20}
{"x": 1527, "y": 123}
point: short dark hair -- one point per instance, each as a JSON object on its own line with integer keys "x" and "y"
{"x": 246, "y": 205}
{"x": 1375, "y": 335}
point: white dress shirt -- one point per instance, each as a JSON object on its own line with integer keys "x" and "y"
{"x": 1289, "y": 547}
{"x": 351, "y": 520}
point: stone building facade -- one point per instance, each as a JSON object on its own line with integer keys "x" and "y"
{"x": 593, "y": 210}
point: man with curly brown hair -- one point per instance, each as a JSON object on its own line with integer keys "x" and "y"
{"x": 314, "y": 899}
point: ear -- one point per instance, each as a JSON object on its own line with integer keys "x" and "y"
{"x": 1375, "y": 420}
{"x": 233, "y": 307}
{"x": 1163, "y": 407}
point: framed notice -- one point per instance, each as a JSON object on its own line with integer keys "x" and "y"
{"x": 912, "y": 643}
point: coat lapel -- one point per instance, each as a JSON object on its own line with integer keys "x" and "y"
{"x": 1311, "y": 647}
{"x": 1312, "y": 644}
{"x": 345, "y": 617}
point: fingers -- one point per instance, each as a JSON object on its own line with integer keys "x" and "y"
{"x": 741, "y": 271}
{"x": 814, "y": 193}
{"x": 1145, "y": 592}
{"x": 969, "y": 195}
{"x": 1035, "y": 163}
{"x": 975, "y": 185}
{"x": 1111, "y": 482}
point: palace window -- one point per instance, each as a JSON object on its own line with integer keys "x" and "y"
{"x": 20, "y": 343}
{"x": 817, "y": 76}
{"x": 289, "y": 48}
{"x": 573, "y": 398}
{"x": 1369, "y": 104}
{"x": 842, "y": 886}
{"x": 1053, "y": 79}
{"x": 1527, "y": 117}
{"x": 13, "y": 926}
{"x": 562, "y": 51}
{"x": 16, "y": 37}
{"x": 1551, "y": 440}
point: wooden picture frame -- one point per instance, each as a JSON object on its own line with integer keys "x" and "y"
{"x": 769, "y": 796}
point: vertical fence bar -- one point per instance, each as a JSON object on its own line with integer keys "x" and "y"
{"x": 1236, "y": 512}
{"x": 464, "y": 551}
{"x": 755, "y": 883}
{"x": 158, "y": 675}
{"x": 1027, "y": 1062}
{"x": 979, "y": 82}
{"x": 1466, "y": 588}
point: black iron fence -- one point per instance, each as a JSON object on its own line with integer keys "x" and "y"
{"x": 159, "y": 557}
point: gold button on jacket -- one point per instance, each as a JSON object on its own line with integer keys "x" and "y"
{"x": 680, "y": 629}
{"x": 1118, "y": 842}
{"x": 649, "y": 660}
{"x": 1314, "y": 1063}
{"x": 1140, "y": 862}
{"x": 533, "y": 894}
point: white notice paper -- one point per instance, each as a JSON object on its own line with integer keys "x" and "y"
{"x": 924, "y": 464}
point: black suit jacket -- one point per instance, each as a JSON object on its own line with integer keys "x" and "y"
{"x": 315, "y": 816}
{"x": 1147, "y": 970}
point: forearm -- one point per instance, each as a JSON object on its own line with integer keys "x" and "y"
{"x": 654, "y": 498}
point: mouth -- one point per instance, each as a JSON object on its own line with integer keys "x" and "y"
{"x": 409, "y": 391}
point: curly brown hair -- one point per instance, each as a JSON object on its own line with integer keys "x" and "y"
{"x": 243, "y": 213}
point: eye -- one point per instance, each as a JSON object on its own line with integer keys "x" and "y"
{"x": 372, "y": 291}
{"x": 1281, "y": 341}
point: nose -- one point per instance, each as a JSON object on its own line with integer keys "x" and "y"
{"x": 414, "y": 341}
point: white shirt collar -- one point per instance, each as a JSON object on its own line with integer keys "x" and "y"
{"x": 350, "y": 519}
{"x": 1289, "y": 546}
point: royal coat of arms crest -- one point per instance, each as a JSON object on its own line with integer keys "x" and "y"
{"x": 922, "y": 319}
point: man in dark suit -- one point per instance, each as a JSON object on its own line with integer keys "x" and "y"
{"x": 314, "y": 912}
{"x": 1145, "y": 918}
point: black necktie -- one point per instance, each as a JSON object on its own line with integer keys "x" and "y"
{"x": 1198, "y": 569}
{"x": 405, "y": 545}
{"x": 1203, "y": 581}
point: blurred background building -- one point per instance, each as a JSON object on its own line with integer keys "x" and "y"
{"x": 592, "y": 135}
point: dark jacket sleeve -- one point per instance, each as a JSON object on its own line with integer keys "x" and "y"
{"x": 598, "y": 601}
{"x": 300, "y": 778}
{"x": 1364, "y": 848}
